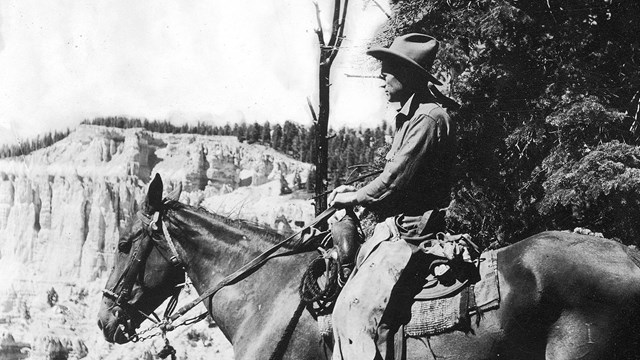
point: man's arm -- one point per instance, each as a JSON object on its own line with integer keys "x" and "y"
{"x": 421, "y": 136}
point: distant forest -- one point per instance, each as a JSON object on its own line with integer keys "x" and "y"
{"x": 26, "y": 147}
{"x": 351, "y": 151}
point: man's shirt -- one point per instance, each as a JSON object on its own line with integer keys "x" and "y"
{"x": 416, "y": 177}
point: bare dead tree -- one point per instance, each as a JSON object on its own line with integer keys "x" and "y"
{"x": 328, "y": 52}
{"x": 382, "y": 9}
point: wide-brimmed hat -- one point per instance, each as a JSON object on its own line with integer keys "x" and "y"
{"x": 417, "y": 51}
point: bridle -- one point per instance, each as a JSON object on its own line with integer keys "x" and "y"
{"x": 138, "y": 258}
{"x": 120, "y": 293}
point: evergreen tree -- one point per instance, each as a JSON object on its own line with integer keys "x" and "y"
{"x": 276, "y": 137}
{"x": 265, "y": 136}
{"x": 542, "y": 87}
{"x": 253, "y": 134}
{"x": 310, "y": 180}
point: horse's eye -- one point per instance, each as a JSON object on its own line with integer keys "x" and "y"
{"x": 124, "y": 246}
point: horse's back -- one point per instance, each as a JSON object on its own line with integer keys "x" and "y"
{"x": 563, "y": 296}
{"x": 578, "y": 295}
{"x": 570, "y": 268}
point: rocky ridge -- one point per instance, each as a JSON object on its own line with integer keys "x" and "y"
{"x": 63, "y": 208}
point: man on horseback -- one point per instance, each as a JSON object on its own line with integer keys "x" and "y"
{"x": 408, "y": 197}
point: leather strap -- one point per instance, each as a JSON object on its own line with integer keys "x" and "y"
{"x": 175, "y": 259}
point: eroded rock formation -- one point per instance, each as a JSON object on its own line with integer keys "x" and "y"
{"x": 63, "y": 208}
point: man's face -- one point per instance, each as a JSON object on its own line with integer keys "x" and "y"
{"x": 394, "y": 87}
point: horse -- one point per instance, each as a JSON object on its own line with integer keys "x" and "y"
{"x": 563, "y": 295}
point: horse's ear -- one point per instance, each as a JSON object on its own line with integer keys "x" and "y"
{"x": 154, "y": 195}
{"x": 175, "y": 194}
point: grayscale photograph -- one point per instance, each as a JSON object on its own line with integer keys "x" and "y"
{"x": 320, "y": 180}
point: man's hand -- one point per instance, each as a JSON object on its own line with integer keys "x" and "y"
{"x": 342, "y": 196}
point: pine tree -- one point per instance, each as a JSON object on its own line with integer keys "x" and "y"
{"x": 265, "y": 136}
{"x": 276, "y": 137}
{"x": 542, "y": 86}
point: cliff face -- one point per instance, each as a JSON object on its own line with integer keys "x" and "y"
{"x": 63, "y": 208}
{"x": 60, "y": 227}
{"x": 76, "y": 197}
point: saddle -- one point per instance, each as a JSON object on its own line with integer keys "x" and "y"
{"x": 445, "y": 266}
{"x": 404, "y": 257}
{"x": 447, "y": 257}
{"x": 448, "y": 271}
{"x": 435, "y": 311}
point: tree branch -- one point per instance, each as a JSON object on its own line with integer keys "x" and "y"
{"x": 378, "y": 77}
{"x": 342, "y": 21}
{"x": 319, "y": 29}
{"x": 336, "y": 22}
{"x": 382, "y": 9}
{"x": 340, "y": 32}
{"x": 313, "y": 112}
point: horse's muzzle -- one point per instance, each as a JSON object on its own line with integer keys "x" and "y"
{"x": 115, "y": 326}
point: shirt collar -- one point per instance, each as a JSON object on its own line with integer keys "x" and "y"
{"x": 406, "y": 109}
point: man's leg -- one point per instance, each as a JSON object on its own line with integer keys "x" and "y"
{"x": 359, "y": 308}
{"x": 346, "y": 241}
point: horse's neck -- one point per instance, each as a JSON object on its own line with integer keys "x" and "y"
{"x": 218, "y": 249}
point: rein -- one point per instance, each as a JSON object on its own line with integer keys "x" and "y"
{"x": 168, "y": 323}
{"x": 250, "y": 267}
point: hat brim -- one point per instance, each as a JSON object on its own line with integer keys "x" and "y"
{"x": 384, "y": 54}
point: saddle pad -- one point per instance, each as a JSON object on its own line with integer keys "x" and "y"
{"x": 427, "y": 318}
{"x": 487, "y": 290}
{"x": 431, "y": 317}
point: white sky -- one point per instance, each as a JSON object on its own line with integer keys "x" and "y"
{"x": 62, "y": 61}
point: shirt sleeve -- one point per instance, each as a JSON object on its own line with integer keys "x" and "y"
{"x": 420, "y": 137}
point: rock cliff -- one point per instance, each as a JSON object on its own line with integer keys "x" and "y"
{"x": 63, "y": 208}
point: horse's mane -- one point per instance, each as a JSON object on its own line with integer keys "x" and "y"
{"x": 252, "y": 231}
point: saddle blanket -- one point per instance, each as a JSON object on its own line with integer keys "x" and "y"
{"x": 431, "y": 317}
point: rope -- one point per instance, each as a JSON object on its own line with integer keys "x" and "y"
{"x": 309, "y": 289}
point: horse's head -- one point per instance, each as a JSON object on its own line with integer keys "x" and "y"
{"x": 145, "y": 271}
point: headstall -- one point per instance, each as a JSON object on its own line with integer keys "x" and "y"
{"x": 139, "y": 256}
